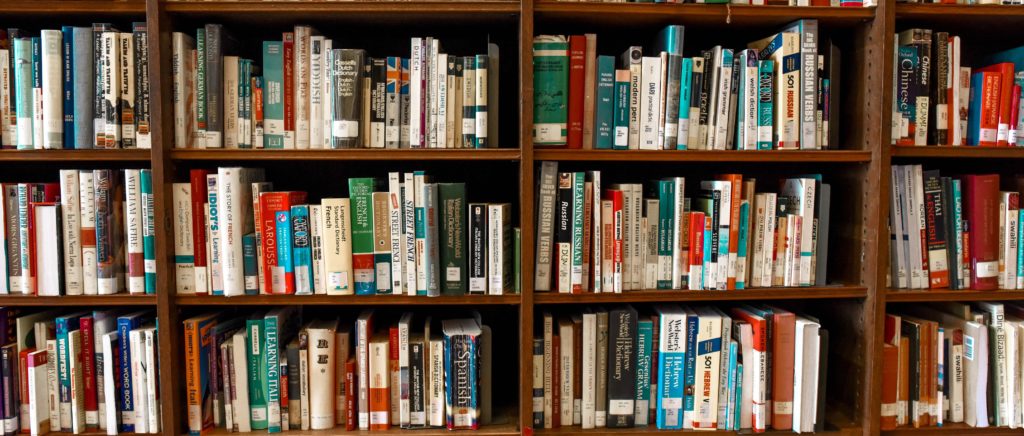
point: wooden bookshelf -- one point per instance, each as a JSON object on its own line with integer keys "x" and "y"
{"x": 859, "y": 170}
{"x": 951, "y": 429}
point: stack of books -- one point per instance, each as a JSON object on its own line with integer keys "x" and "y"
{"x": 774, "y": 95}
{"x": 73, "y": 88}
{"x": 406, "y": 235}
{"x": 91, "y": 233}
{"x": 955, "y": 232}
{"x": 275, "y": 371}
{"x": 940, "y": 102}
{"x": 80, "y": 372}
{"x": 953, "y": 362}
{"x": 311, "y": 95}
{"x": 725, "y": 235}
{"x": 700, "y": 368}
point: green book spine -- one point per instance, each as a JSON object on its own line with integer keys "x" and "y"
{"x": 644, "y": 335}
{"x": 666, "y": 225}
{"x": 620, "y": 111}
{"x": 257, "y": 374}
{"x": 360, "y": 192}
{"x": 603, "y": 120}
{"x": 577, "y": 231}
{"x": 516, "y": 265}
{"x": 452, "y": 231}
{"x": 272, "y": 384}
{"x": 200, "y": 85}
{"x": 765, "y": 93}
{"x": 741, "y": 250}
{"x": 685, "y": 85}
{"x": 550, "y": 90}
{"x": 273, "y": 96}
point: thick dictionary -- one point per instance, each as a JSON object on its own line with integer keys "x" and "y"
{"x": 622, "y": 324}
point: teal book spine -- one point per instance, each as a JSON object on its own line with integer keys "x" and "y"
{"x": 273, "y": 94}
{"x": 249, "y": 265}
{"x": 666, "y": 225}
{"x": 742, "y": 246}
{"x": 644, "y": 334}
{"x": 604, "y": 122}
{"x": 302, "y": 250}
{"x": 765, "y": 103}
{"x": 550, "y": 90}
{"x": 200, "y": 85}
{"x": 731, "y": 382}
{"x": 148, "y": 230}
{"x": 453, "y": 238}
{"x": 272, "y": 384}
{"x": 23, "y": 91}
{"x": 257, "y": 374}
{"x": 620, "y": 111}
{"x": 739, "y": 396}
{"x": 685, "y": 89}
{"x": 670, "y": 39}
{"x": 578, "y": 179}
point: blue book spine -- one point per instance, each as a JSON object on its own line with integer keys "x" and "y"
{"x": 273, "y": 96}
{"x": 23, "y": 91}
{"x": 273, "y": 381}
{"x": 604, "y": 122}
{"x": 689, "y": 380}
{"x": 685, "y": 90}
{"x": 620, "y": 136}
{"x": 302, "y": 253}
{"x": 672, "y": 361}
{"x": 741, "y": 249}
{"x": 63, "y": 325}
{"x": 249, "y": 266}
{"x": 765, "y": 103}
{"x": 68, "y": 37}
{"x": 284, "y": 244}
{"x": 473, "y": 342}
{"x": 974, "y": 108}
{"x": 644, "y": 333}
{"x": 447, "y": 343}
{"x": 84, "y": 89}
{"x": 731, "y": 386}
{"x": 125, "y": 402}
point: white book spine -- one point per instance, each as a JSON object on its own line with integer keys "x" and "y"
{"x": 409, "y": 237}
{"x": 231, "y": 138}
{"x": 395, "y": 213}
{"x": 136, "y": 348}
{"x": 38, "y": 395}
{"x": 440, "y": 120}
{"x": 416, "y": 93}
{"x": 133, "y": 230}
{"x": 184, "y": 266}
{"x": 321, "y": 378}
{"x": 316, "y": 92}
{"x": 152, "y": 403}
{"x": 363, "y": 367}
{"x": 337, "y": 244}
{"x": 70, "y": 208}
{"x": 53, "y": 383}
{"x": 1009, "y": 279}
{"x": 650, "y": 94}
{"x": 316, "y": 239}
{"x": 53, "y": 112}
{"x": 180, "y": 93}
{"x": 214, "y": 256}
{"x": 301, "y": 86}
{"x": 589, "y": 367}
{"x": 109, "y": 384}
{"x": 565, "y": 359}
{"x": 328, "y": 92}
{"x": 240, "y": 405}
{"x": 226, "y": 226}
{"x": 436, "y": 389}
{"x": 596, "y": 231}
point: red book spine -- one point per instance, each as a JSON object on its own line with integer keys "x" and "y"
{"x": 197, "y": 178}
{"x": 556, "y": 377}
{"x": 696, "y": 260}
{"x": 350, "y": 394}
{"x": 288, "y": 45}
{"x": 85, "y": 323}
{"x": 989, "y": 119}
{"x": 982, "y": 201}
{"x": 1002, "y": 100}
{"x": 577, "y": 73}
{"x": 1014, "y": 115}
{"x": 616, "y": 197}
{"x": 270, "y": 204}
{"x": 23, "y": 382}
{"x": 396, "y": 381}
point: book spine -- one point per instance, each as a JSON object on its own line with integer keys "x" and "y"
{"x": 141, "y": 113}
{"x": 133, "y": 218}
{"x": 551, "y": 86}
{"x": 272, "y": 95}
{"x": 184, "y": 259}
{"x": 125, "y": 402}
{"x": 68, "y": 86}
{"x": 148, "y": 230}
{"x": 301, "y": 86}
{"x": 431, "y": 243}
{"x": 453, "y": 238}
{"x": 499, "y": 248}
{"x": 52, "y": 95}
{"x": 317, "y": 263}
{"x": 106, "y": 207}
{"x": 642, "y": 414}
{"x": 126, "y": 89}
{"x": 337, "y": 246}
{"x": 621, "y": 376}
{"x": 381, "y": 242}
{"x": 620, "y": 111}
{"x": 393, "y": 103}
{"x": 360, "y": 195}
{"x": 346, "y": 78}
{"x": 214, "y": 210}
{"x": 395, "y": 211}
{"x": 302, "y": 254}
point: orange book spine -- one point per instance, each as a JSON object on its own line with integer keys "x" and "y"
{"x": 380, "y": 378}
{"x": 890, "y": 368}
{"x": 736, "y": 180}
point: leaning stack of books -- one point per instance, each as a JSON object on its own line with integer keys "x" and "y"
{"x": 312, "y": 95}
{"x": 91, "y": 233}
{"x": 276, "y": 371}
{"x": 724, "y": 235}
{"x": 77, "y": 87}
{"x": 406, "y": 235}
{"x": 773, "y": 95}
{"x": 700, "y": 368}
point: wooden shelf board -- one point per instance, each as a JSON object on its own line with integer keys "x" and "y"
{"x": 504, "y": 424}
{"x": 951, "y": 429}
{"x": 955, "y": 11}
{"x": 67, "y": 7}
{"x": 371, "y": 8}
{"x": 703, "y": 155}
{"x": 958, "y": 152}
{"x": 362, "y": 154}
{"x": 905, "y": 295}
{"x": 79, "y": 300}
{"x": 639, "y": 13}
{"x": 654, "y": 296}
{"x": 842, "y": 431}
{"x": 349, "y": 300}
{"x": 118, "y": 155}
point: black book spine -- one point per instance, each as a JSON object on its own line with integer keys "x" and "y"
{"x": 8, "y": 360}
{"x": 538, "y": 382}
{"x": 378, "y": 101}
{"x": 819, "y": 426}
{"x": 621, "y": 367}
{"x": 416, "y": 383}
{"x": 214, "y": 85}
{"x": 477, "y": 248}
{"x": 950, "y": 228}
{"x": 346, "y": 78}
{"x": 940, "y": 71}
{"x": 912, "y": 332}
{"x": 141, "y": 46}
{"x": 453, "y": 238}
{"x": 99, "y": 138}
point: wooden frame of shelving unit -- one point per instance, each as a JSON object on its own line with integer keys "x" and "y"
{"x": 858, "y": 297}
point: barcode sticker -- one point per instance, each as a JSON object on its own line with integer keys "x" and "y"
{"x": 620, "y": 407}
{"x": 969, "y": 347}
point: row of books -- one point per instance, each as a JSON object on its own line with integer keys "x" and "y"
{"x": 953, "y": 362}
{"x": 965, "y": 2}
{"x": 79, "y": 372}
{"x": 91, "y": 233}
{"x": 776, "y": 94}
{"x": 405, "y": 235}
{"x": 276, "y": 371}
{"x": 939, "y": 101}
{"x": 313, "y": 95}
{"x": 77, "y": 87}
{"x": 726, "y": 235}
{"x": 955, "y": 232}
{"x": 700, "y": 368}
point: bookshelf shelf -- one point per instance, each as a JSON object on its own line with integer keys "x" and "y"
{"x": 951, "y": 429}
{"x": 76, "y": 7}
{"x": 902, "y": 296}
{"x": 661, "y": 296}
{"x": 349, "y": 300}
{"x": 958, "y": 152}
{"x": 355, "y": 154}
{"x": 691, "y": 13}
{"x": 129, "y": 155}
{"x": 703, "y": 155}
{"x": 78, "y": 300}
{"x": 844, "y": 431}
{"x": 350, "y": 9}
{"x": 907, "y": 11}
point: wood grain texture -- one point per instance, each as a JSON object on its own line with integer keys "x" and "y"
{"x": 691, "y": 13}
{"x": 702, "y": 155}
{"x": 367, "y": 154}
{"x": 348, "y": 300}
{"x": 947, "y": 152}
{"x": 125, "y": 155}
{"x": 926, "y": 295}
{"x": 663, "y": 296}
{"x": 78, "y": 300}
